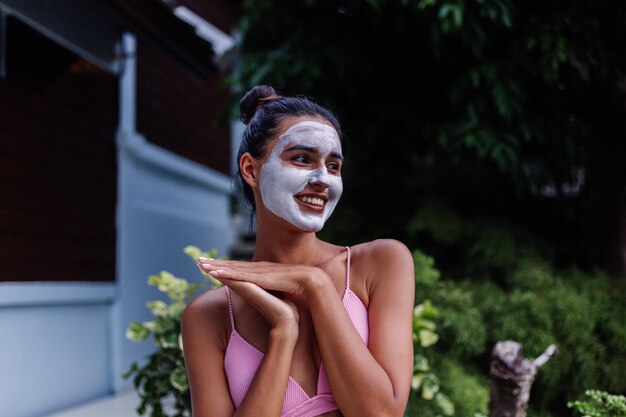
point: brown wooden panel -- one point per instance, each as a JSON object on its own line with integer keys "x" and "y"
{"x": 24, "y": 171}
{"x": 180, "y": 112}
{"x": 33, "y": 268}
{"x": 43, "y": 154}
{"x": 58, "y": 167}
{"x": 68, "y": 139}
{"x": 27, "y": 198}
{"x": 46, "y": 225}
{"x": 21, "y": 248}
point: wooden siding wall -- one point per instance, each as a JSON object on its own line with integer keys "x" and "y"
{"x": 181, "y": 112}
{"x": 58, "y": 170}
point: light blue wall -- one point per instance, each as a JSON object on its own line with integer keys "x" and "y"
{"x": 52, "y": 351}
{"x": 165, "y": 204}
{"x": 54, "y": 345}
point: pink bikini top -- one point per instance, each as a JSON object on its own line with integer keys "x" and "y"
{"x": 242, "y": 360}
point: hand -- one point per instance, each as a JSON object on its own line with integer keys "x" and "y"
{"x": 293, "y": 279}
{"x": 278, "y": 313}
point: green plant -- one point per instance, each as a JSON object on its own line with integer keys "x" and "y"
{"x": 164, "y": 376}
{"x": 425, "y": 382}
{"x": 600, "y": 404}
{"x": 503, "y": 283}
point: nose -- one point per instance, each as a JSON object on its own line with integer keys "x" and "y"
{"x": 320, "y": 177}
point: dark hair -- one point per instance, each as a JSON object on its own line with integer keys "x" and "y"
{"x": 262, "y": 109}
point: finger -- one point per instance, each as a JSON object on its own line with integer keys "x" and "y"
{"x": 268, "y": 305}
{"x": 225, "y": 262}
{"x": 207, "y": 267}
{"x": 266, "y": 281}
{"x": 238, "y": 264}
{"x": 235, "y": 275}
{"x": 250, "y": 268}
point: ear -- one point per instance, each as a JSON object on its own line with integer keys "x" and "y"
{"x": 249, "y": 167}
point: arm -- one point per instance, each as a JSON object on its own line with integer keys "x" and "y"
{"x": 204, "y": 355}
{"x": 370, "y": 380}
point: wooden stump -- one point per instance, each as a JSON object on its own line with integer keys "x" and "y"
{"x": 511, "y": 377}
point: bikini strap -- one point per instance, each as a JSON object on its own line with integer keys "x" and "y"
{"x": 231, "y": 312}
{"x": 348, "y": 269}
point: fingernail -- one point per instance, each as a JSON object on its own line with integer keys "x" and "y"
{"x": 218, "y": 272}
{"x": 202, "y": 258}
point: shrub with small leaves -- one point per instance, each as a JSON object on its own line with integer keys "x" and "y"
{"x": 600, "y": 404}
{"x": 425, "y": 382}
{"x": 503, "y": 283}
{"x": 163, "y": 377}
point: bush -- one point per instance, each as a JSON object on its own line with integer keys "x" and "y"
{"x": 163, "y": 377}
{"x": 601, "y": 404}
{"x": 502, "y": 284}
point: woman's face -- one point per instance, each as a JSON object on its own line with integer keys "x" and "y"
{"x": 300, "y": 178}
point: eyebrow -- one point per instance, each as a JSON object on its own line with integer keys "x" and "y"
{"x": 313, "y": 150}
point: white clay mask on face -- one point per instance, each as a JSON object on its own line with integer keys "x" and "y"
{"x": 285, "y": 189}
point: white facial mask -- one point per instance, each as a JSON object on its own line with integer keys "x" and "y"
{"x": 279, "y": 183}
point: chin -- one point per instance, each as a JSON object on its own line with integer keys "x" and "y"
{"x": 309, "y": 228}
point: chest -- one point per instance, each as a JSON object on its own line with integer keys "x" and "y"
{"x": 308, "y": 384}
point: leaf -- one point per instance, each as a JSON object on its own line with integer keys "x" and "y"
{"x": 430, "y": 387}
{"x": 192, "y": 251}
{"x": 158, "y": 308}
{"x": 180, "y": 342}
{"x": 421, "y": 364}
{"x": 425, "y": 310}
{"x": 132, "y": 370}
{"x": 178, "y": 379}
{"x": 423, "y": 4}
{"x": 416, "y": 381}
{"x": 167, "y": 341}
{"x": 137, "y": 332}
{"x": 428, "y": 338}
{"x": 444, "y": 403}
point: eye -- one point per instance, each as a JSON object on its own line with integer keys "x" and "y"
{"x": 301, "y": 158}
{"x": 333, "y": 166}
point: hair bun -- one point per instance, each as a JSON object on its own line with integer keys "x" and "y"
{"x": 255, "y": 99}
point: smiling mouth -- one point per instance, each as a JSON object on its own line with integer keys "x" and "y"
{"x": 314, "y": 203}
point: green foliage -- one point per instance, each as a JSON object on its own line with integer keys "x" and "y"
{"x": 485, "y": 80}
{"x": 425, "y": 382}
{"x": 436, "y": 218}
{"x": 469, "y": 389}
{"x": 164, "y": 375}
{"x": 425, "y": 272}
{"x": 509, "y": 288}
{"x": 600, "y": 404}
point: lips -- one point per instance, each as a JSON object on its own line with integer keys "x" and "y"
{"x": 313, "y": 202}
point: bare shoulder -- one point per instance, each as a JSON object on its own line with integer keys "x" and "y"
{"x": 384, "y": 247}
{"x": 207, "y": 314}
{"x": 385, "y": 261}
{"x": 207, "y": 304}
{"x": 383, "y": 253}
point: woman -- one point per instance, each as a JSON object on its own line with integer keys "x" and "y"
{"x": 307, "y": 328}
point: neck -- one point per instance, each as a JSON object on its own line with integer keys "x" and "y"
{"x": 283, "y": 245}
